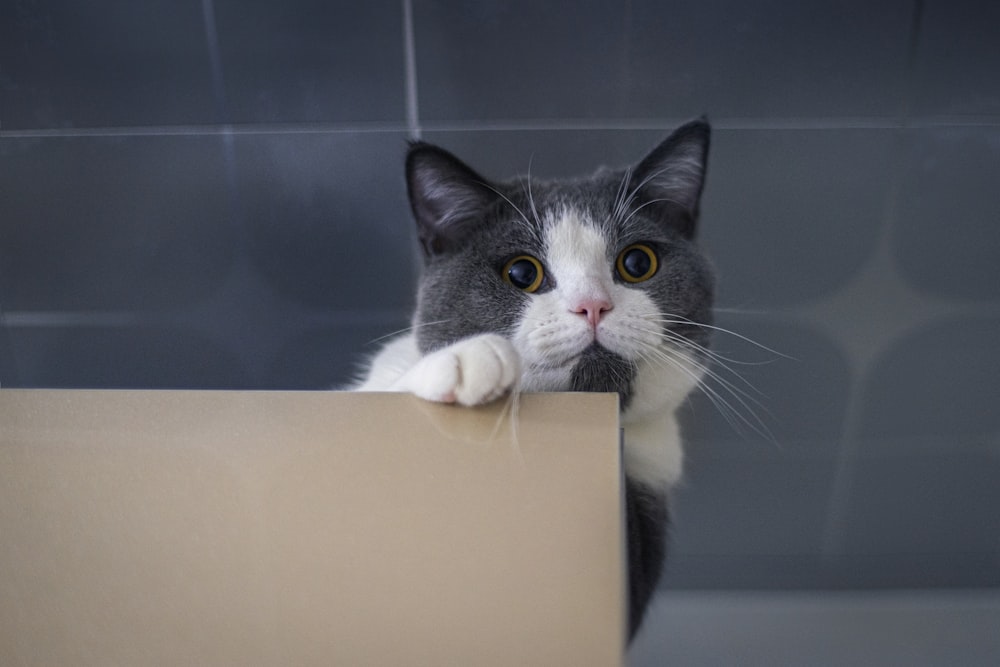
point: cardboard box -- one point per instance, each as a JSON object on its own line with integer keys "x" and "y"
{"x": 308, "y": 528}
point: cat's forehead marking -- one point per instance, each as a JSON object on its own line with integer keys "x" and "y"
{"x": 574, "y": 246}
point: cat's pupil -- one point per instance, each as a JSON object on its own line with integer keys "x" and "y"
{"x": 637, "y": 263}
{"x": 522, "y": 274}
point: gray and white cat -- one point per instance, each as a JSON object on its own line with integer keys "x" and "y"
{"x": 590, "y": 284}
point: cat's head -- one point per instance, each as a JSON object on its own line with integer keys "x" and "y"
{"x": 593, "y": 279}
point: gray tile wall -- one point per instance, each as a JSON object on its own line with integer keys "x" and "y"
{"x": 209, "y": 194}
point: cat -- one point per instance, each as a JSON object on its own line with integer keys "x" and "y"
{"x": 587, "y": 284}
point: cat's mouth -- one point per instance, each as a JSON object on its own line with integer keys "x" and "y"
{"x": 568, "y": 360}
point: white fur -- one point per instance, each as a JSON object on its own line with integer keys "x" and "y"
{"x": 543, "y": 349}
{"x": 472, "y": 371}
{"x": 653, "y": 450}
{"x": 390, "y": 364}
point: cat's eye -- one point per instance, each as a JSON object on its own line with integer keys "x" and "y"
{"x": 637, "y": 263}
{"x": 524, "y": 272}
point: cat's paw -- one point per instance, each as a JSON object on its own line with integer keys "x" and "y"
{"x": 473, "y": 371}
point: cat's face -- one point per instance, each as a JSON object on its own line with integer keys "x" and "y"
{"x": 597, "y": 281}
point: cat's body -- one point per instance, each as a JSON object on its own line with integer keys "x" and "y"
{"x": 593, "y": 284}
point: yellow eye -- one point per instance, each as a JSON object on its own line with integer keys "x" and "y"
{"x": 637, "y": 263}
{"x": 524, "y": 272}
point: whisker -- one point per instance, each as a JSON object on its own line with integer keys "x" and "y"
{"x": 727, "y": 411}
{"x": 735, "y": 391}
{"x": 740, "y": 311}
{"x": 736, "y": 418}
{"x": 715, "y": 358}
{"x": 531, "y": 198}
{"x": 731, "y": 386}
{"x": 645, "y": 204}
{"x": 635, "y": 191}
{"x": 675, "y": 347}
{"x": 534, "y": 229}
{"x": 685, "y": 321}
{"x": 511, "y": 409}
{"x": 619, "y": 206}
{"x": 412, "y": 327}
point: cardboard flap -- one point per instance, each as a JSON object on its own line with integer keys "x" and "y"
{"x": 298, "y": 528}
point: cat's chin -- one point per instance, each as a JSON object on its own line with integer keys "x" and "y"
{"x": 600, "y": 369}
{"x": 567, "y": 361}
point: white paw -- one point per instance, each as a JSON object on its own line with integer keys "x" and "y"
{"x": 470, "y": 372}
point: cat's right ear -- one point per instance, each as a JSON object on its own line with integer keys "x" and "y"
{"x": 447, "y": 197}
{"x": 669, "y": 180}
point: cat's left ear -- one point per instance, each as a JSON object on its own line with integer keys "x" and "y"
{"x": 448, "y": 198}
{"x": 669, "y": 181}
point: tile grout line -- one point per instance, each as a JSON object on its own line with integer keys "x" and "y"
{"x": 203, "y": 130}
{"x": 410, "y": 63}
{"x": 124, "y": 318}
{"x": 912, "y": 51}
{"x": 414, "y": 126}
{"x": 835, "y": 530}
{"x": 215, "y": 62}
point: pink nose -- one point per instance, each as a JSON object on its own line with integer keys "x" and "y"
{"x": 592, "y": 309}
